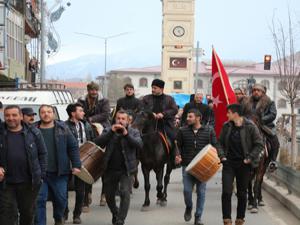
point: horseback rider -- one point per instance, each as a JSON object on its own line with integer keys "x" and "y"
{"x": 164, "y": 110}
{"x": 129, "y": 103}
{"x": 96, "y": 109}
{"x": 260, "y": 108}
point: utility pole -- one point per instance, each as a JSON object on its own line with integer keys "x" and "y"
{"x": 42, "y": 37}
{"x": 197, "y": 68}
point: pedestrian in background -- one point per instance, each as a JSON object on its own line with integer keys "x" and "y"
{"x": 28, "y": 115}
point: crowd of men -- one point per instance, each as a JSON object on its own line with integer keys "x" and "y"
{"x": 37, "y": 158}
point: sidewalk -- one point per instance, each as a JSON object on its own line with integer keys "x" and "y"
{"x": 290, "y": 201}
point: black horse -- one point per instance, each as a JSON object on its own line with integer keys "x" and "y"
{"x": 255, "y": 185}
{"x": 153, "y": 156}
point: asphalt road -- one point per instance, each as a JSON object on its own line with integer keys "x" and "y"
{"x": 271, "y": 214}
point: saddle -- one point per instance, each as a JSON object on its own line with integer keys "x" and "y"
{"x": 166, "y": 141}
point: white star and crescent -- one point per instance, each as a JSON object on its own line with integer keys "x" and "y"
{"x": 215, "y": 76}
{"x": 216, "y": 100}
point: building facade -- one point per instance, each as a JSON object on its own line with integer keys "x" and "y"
{"x": 240, "y": 74}
{"x": 19, "y": 32}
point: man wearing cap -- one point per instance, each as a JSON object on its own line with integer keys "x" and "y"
{"x": 96, "y": 110}
{"x": 28, "y": 115}
{"x": 263, "y": 110}
{"x": 163, "y": 107}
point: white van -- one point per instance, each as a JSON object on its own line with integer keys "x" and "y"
{"x": 47, "y": 93}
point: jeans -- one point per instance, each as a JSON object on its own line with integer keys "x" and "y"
{"x": 57, "y": 185}
{"x": 188, "y": 182}
{"x": 79, "y": 186}
{"x": 16, "y": 198}
{"x": 242, "y": 174}
{"x": 112, "y": 181}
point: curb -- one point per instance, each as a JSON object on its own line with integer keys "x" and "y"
{"x": 290, "y": 201}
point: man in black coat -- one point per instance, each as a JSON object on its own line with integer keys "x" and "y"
{"x": 122, "y": 143}
{"x": 23, "y": 163}
{"x": 164, "y": 110}
{"x": 240, "y": 145}
{"x": 129, "y": 103}
{"x": 196, "y": 104}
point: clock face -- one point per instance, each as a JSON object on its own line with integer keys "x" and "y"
{"x": 178, "y": 31}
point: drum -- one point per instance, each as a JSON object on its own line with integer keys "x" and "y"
{"x": 205, "y": 164}
{"x": 91, "y": 157}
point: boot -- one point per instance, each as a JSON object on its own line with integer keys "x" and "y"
{"x": 239, "y": 222}
{"x": 227, "y": 222}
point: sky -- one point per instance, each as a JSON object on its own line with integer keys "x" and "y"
{"x": 238, "y": 29}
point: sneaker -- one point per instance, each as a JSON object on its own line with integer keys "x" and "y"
{"x": 187, "y": 214}
{"x": 76, "y": 220}
{"x": 198, "y": 221}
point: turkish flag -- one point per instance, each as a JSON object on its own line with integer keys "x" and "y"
{"x": 222, "y": 93}
{"x": 178, "y": 62}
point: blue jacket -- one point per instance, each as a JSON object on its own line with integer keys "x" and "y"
{"x": 66, "y": 147}
{"x": 35, "y": 150}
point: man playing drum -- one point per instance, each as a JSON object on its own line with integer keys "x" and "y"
{"x": 97, "y": 110}
{"x": 240, "y": 146}
{"x": 83, "y": 132}
{"x": 190, "y": 140}
{"x": 121, "y": 144}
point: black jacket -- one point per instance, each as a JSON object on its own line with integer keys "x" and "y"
{"x": 90, "y": 136}
{"x": 204, "y": 110}
{"x": 190, "y": 144}
{"x": 100, "y": 113}
{"x": 130, "y": 103}
{"x": 251, "y": 140}
{"x": 168, "y": 105}
{"x": 36, "y": 152}
{"x": 130, "y": 144}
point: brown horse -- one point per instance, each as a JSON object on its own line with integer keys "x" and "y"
{"x": 255, "y": 184}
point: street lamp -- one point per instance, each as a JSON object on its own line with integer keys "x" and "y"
{"x": 105, "y": 38}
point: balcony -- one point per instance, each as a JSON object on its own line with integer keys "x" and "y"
{"x": 32, "y": 24}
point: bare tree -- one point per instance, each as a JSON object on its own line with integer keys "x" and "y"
{"x": 288, "y": 67}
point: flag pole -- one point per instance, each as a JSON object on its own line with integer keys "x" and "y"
{"x": 221, "y": 77}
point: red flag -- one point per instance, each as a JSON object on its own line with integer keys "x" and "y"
{"x": 222, "y": 93}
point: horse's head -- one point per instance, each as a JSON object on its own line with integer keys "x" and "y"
{"x": 142, "y": 120}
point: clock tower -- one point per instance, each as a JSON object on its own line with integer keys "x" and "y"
{"x": 177, "y": 45}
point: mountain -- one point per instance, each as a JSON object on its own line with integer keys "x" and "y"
{"x": 93, "y": 65}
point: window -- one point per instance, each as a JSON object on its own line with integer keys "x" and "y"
{"x": 243, "y": 84}
{"x": 266, "y": 83}
{"x": 281, "y": 103}
{"x": 143, "y": 82}
{"x": 177, "y": 84}
{"x": 297, "y": 103}
{"x": 282, "y": 85}
{"x": 199, "y": 84}
{"x": 15, "y": 36}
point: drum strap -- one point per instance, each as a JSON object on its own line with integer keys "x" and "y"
{"x": 164, "y": 139}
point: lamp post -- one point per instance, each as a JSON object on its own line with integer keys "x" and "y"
{"x": 105, "y": 38}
